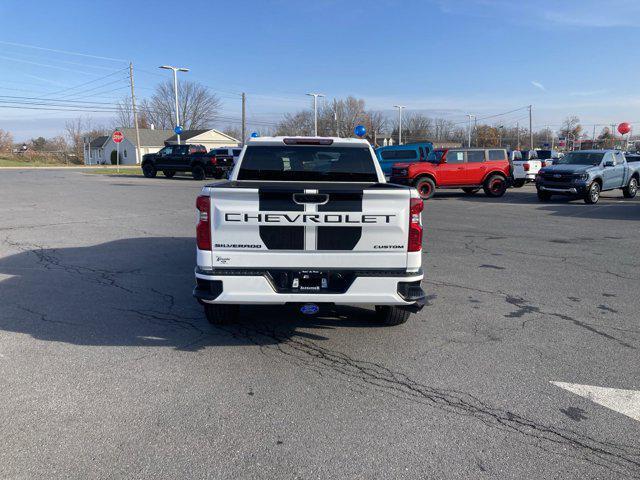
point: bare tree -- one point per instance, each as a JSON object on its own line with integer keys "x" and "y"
{"x": 571, "y": 127}
{"x": 337, "y": 118}
{"x": 77, "y": 130}
{"x": 124, "y": 114}
{"x": 487, "y": 136}
{"x": 296, "y": 124}
{"x": 198, "y": 106}
{"x": 6, "y": 141}
{"x": 416, "y": 127}
{"x": 234, "y": 132}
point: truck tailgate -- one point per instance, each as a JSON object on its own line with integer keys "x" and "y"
{"x": 296, "y": 225}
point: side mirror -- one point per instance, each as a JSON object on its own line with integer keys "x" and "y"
{"x": 609, "y": 163}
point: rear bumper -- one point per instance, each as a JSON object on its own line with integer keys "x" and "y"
{"x": 253, "y": 287}
{"x": 401, "y": 181}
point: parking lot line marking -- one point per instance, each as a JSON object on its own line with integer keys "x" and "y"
{"x": 622, "y": 401}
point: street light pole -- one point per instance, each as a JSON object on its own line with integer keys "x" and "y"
{"x": 315, "y": 111}
{"x": 175, "y": 91}
{"x": 399, "y": 107}
{"x": 474, "y": 117}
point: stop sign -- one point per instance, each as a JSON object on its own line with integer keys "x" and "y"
{"x": 117, "y": 136}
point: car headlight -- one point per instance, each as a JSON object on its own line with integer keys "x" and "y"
{"x": 402, "y": 172}
{"x": 581, "y": 176}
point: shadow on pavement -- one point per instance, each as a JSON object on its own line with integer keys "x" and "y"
{"x": 136, "y": 292}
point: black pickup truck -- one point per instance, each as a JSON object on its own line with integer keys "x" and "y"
{"x": 186, "y": 158}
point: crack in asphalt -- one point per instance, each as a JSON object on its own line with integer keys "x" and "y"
{"x": 622, "y": 459}
{"x": 46, "y": 256}
{"x": 43, "y": 317}
{"x": 524, "y": 308}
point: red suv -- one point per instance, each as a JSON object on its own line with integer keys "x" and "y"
{"x": 467, "y": 168}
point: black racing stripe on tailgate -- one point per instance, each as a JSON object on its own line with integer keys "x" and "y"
{"x": 342, "y": 201}
{"x": 278, "y": 200}
{"x": 340, "y": 238}
{"x": 277, "y": 237}
{"x": 282, "y": 238}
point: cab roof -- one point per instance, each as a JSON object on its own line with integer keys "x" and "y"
{"x": 300, "y": 140}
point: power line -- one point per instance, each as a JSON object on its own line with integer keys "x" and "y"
{"x": 66, "y": 52}
{"x": 87, "y": 83}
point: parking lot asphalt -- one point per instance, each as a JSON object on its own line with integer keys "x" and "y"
{"x": 108, "y": 368}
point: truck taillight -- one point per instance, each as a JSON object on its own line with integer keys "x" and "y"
{"x": 213, "y": 160}
{"x": 203, "y": 229}
{"x": 415, "y": 224}
{"x": 525, "y": 165}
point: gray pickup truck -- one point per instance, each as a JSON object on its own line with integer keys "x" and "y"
{"x": 586, "y": 173}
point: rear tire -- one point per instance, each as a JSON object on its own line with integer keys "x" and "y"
{"x": 495, "y": 186}
{"x": 426, "y": 187}
{"x": 470, "y": 191}
{"x": 593, "y": 194}
{"x": 197, "y": 172}
{"x": 218, "y": 314}
{"x": 169, "y": 173}
{"x": 391, "y": 315}
{"x": 149, "y": 170}
{"x": 631, "y": 189}
{"x": 518, "y": 183}
{"x": 543, "y": 196}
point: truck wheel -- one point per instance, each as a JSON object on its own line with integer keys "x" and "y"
{"x": 169, "y": 173}
{"x": 543, "y": 196}
{"x": 593, "y": 194}
{"x": 218, "y": 314}
{"x": 495, "y": 186}
{"x": 426, "y": 187}
{"x": 149, "y": 170}
{"x": 198, "y": 172}
{"x": 470, "y": 191}
{"x": 631, "y": 190}
{"x": 391, "y": 315}
{"x": 518, "y": 183}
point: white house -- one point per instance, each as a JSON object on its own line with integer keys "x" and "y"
{"x": 208, "y": 138}
{"x": 151, "y": 141}
{"x": 93, "y": 150}
{"x": 102, "y": 150}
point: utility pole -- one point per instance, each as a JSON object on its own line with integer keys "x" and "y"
{"x": 135, "y": 114}
{"x": 518, "y": 134}
{"x": 175, "y": 91}
{"x": 593, "y": 137}
{"x": 548, "y": 134}
{"x": 315, "y": 111}
{"x": 613, "y": 135}
{"x": 399, "y": 107}
{"x": 244, "y": 117}
{"x": 530, "y": 128}
{"x": 469, "y": 129}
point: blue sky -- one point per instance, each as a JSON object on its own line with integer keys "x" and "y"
{"x": 442, "y": 57}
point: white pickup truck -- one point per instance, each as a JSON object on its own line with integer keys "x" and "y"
{"x": 309, "y": 221}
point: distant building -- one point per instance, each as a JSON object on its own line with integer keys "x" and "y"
{"x": 102, "y": 150}
{"x": 93, "y": 151}
{"x": 208, "y": 138}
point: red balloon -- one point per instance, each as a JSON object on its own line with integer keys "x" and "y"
{"x": 624, "y": 128}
